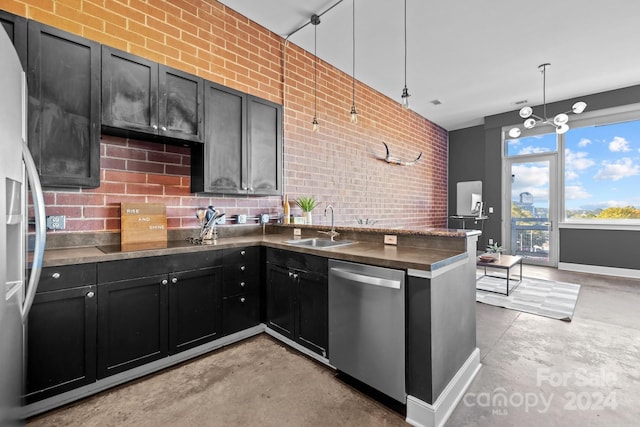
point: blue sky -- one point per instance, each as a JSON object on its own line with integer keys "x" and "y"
{"x": 602, "y": 166}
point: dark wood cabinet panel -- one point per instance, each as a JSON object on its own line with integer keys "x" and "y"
{"x": 313, "y": 312}
{"x": 297, "y": 299}
{"x": 64, "y": 106}
{"x": 129, "y": 91}
{"x": 280, "y": 300}
{"x": 241, "y": 312}
{"x": 195, "y": 311}
{"x": 218, "y": 166}
{"x": 265, "y": 146}
{"x": 241, "y": 288}
{"x": 242, "y": 153}
{"x": 132, "y": 323}
{"x": 16, "y": 28}
{"x": 181, "y": 107}
{"x": 61, "y": 342}
{"x": 146, "y": 100}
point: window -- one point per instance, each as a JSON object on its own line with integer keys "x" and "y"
{"x": 544, "y": 143}
{"x": 602, "y": 172}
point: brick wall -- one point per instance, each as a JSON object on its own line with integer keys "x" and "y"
{"x": 337, "y": 165}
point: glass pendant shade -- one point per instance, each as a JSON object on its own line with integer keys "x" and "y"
{"x": 315, "y": 124}
{"x": 560, "y": 119}
{"x": 514, "y": 132}
{"x": 526, "y": 112}
{"x": 529, "y": 123}
{"x": 562, "y": 129}
{"x": 579, "y": 107}
{"x": 405, "y": 97}
{"x": 354, "y": 114}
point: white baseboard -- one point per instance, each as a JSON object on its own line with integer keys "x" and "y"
{"x": 598, "y": 269}
{"x": 422, "y": 414}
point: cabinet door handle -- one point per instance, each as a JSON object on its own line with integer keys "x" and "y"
{"x": 242, "y": 284}
{"x": 242, "y": 299}
{"x": 174, "y": 280}
{"x": 164, "y": 282}
{"x": 90, "y": 294}
{"x": 164, "y": 128}
{"x": 155, "y": 127}
{"x": 56, "y": 275}
{"x": 295, "y": 275}
{"x": 243, "y": 253}
{"x": 243, "y": 268}
{"x": 291, "y": 274}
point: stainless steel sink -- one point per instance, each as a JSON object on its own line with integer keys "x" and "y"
{"x": 319, "y": 243}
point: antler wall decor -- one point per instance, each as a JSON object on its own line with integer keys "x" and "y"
{"x": 394, "y": 160}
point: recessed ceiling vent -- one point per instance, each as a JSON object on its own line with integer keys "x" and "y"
{"x": 524, "y": 101}
{"x": 436, "y": 102}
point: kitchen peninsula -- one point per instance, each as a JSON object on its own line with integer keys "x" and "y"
{"x": 441, "y": 353}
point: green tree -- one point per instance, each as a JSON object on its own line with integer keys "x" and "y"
{"x": 518, "y": 212}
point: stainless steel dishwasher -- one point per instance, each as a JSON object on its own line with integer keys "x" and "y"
{"x": 367, "y": 325}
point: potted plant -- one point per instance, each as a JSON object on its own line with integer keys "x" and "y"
{"x": 306, "y": 204}
{"x": 495, "y": 249}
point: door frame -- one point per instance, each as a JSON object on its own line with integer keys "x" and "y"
{"x": 554, "y": 203}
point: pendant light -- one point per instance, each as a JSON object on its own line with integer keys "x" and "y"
{"x": 559, "y": 121}
{"x": 405, "y": 91}
{"x": 354, "y": 111}
{"x": 315, "y": 20}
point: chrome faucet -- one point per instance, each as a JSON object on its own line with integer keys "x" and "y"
{"x": 333, "y": 233}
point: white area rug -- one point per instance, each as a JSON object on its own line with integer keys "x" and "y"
{"x": 536, "y": 296}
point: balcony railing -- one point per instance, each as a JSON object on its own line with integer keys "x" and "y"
{"x": 530, "y": 237}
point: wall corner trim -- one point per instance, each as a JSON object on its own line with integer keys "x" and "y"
{"x": 423, "y": 414}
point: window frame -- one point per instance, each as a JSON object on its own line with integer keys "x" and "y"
{"x": 607, "y": 116}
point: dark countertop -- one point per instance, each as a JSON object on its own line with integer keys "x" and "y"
{"x": 402, "y": 257}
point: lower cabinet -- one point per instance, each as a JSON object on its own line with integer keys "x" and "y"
{"x": 242, "y": 277}
{"x": 297, "y": 298}
{"x": 133, "y": 322}
{"x": 142, "y": 319}
{"x": 61, "y": 333}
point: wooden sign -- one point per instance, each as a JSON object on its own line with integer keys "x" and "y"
{"x": 143, "y": 223}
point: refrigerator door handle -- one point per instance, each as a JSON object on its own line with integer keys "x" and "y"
{"x": 40, "y": 236}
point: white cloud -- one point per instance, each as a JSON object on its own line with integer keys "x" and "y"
{"x": 584, "y": 142}
{"x": 615, "y": 171}
{"x": 533, "y": 150}
{"x": 532, "y": 179}
{"x": 607, "y": 204}
{"x": 619, "y": 144}
{"x": 575, "y": 192}
{"x": 577, "y": 161}
{"x": 571, "y": 175}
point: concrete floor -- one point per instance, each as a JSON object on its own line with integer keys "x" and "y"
{"x": 536, "y": 371}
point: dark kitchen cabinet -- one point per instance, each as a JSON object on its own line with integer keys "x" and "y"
{"x": 146, "y": 100}
{"x": 133, "y": 322}
{"x": 61, "y": 332}
{"x": 149, "y": 308}
{"x": 64, "y": 106}
{"x": 16, "y": 28}
{"x": 242, "y": 153}
{"x": 241, "y": 289}
{"x": 194, "y": 308}
{"x": 297, "y": 298}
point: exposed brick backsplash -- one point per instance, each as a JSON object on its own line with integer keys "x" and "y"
{"x": 337, "y": 165}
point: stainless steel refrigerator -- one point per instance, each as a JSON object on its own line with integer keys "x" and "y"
{"x": 19, "y": 184}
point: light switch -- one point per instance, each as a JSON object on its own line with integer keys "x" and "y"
{"x": 490, "y": 209}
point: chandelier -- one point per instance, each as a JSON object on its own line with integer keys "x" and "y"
{"x": 559, "y": 121}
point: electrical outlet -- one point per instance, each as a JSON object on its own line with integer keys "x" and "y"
{"x": 56, "y": 222}
{"x": 297, "y": 232}
{"x": 491, "y": 241}
{"x": 390, "y": 239}
{"x": 491, "y": 209}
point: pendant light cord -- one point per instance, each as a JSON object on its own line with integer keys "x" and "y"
{"x": 353, "y": 51}
{"x": 315, "y": 71}
{"x": 405, "y": 43}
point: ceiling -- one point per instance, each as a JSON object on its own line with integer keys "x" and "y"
{"x": 476, "y": 57}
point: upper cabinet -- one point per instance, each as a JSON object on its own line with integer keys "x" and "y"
{"x": 16, "y": 28}
{"x": 242, "y": 153}
{"x": 64, "y": 106}
{"x": 144, "y": 99}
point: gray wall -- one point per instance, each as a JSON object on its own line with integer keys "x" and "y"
{"x": 467, "y": 146}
